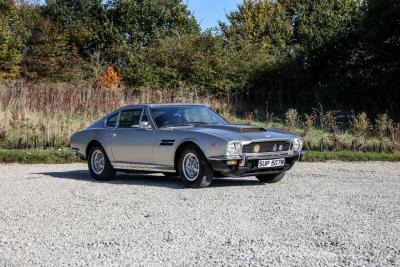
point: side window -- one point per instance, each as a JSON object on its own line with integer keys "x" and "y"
{"x": 144, "y": 117}
{"x": 130, "y": 118}
{"x": 112, "y": 120}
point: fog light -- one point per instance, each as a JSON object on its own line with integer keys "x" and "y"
{"x": 256, "y": 148}
{"x": 232, "y": 162}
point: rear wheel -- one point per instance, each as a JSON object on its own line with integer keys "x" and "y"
{"x": 271, "y": 178}
{"x": 100, "y": 167}
{"x": 194, "y": 169}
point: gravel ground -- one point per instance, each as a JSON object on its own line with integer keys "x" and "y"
{"x": 320, "y": 214}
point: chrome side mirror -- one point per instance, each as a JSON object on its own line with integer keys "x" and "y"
{"x": 145, "y": 125}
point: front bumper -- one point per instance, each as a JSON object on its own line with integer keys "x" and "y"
{"x": 76, "y": 151}
{"x": 248, "y": 165}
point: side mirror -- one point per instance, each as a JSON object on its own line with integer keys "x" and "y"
{"x": 145, "y": 125}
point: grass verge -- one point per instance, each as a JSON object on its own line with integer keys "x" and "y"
{"x": 65, "y": 156}
{"x": 312, "y": 156}
{"x": 37, "y": 156}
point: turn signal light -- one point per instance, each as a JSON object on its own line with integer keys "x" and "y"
{"x": 232, "y": 162}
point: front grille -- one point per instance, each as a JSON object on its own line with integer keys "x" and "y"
{"x": 264, "y": 147}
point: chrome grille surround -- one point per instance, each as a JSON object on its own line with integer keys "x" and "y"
{"x": 267, "y": 147}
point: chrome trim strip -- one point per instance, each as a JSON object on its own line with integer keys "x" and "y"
{"x": 142, "y": 167}
{"x": 271, "y": 140}
{"x": 226, "y": 158}
{"x": 268, "y": 154}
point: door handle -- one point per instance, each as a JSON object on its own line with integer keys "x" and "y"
{"x": 114, "y": 135}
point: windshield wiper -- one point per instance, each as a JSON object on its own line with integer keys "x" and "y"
{"x": 199, "y": 123}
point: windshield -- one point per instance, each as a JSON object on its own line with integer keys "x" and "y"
{"x": 169, "y": 116}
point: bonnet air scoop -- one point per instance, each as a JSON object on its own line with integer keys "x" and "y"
{"x": 238, "y": 128}
{"x": 252, "y": 130}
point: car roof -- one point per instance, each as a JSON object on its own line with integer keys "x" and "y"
{"x": 162, "y": 105}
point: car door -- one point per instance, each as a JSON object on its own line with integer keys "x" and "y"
{"x": 131, "y": 142}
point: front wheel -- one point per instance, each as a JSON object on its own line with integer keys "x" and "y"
{"x": 271, "y": 178}
{"x": 194, "y": 169}
{"x": 100, "y": 167}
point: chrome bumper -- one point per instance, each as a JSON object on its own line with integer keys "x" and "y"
{"x": 247, "y": 165}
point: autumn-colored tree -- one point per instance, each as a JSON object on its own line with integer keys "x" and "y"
{"x": 110, "y": 80}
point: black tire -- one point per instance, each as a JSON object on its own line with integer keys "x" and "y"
{"x": 271, "y": 178}
{"x": 108, "y": 171}
{"x": 205, "y": 174}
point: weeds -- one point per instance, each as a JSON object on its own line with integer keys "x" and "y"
{"x": 43, "y": 116}
{"x": 361, "y": 127}
{"x": 292, "y": 120}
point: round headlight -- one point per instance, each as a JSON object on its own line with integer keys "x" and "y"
{"x": 233, "y": 148}
{"x": 297, "y": 144}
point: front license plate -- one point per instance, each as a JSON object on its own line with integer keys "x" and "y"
{"x": 270, "y": 163}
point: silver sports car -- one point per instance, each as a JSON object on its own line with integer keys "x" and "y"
{"x": 188, "y": 140}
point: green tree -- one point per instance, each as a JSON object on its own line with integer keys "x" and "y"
{"x": 317, "y": 22}
{"x": 140, "y": 22}
{"x": 262, "y": 22}
{"x": 85, "y": 22}
{"x": 11, "y": 41}
{"x": 379, "y": 58}
{"x": 47, "y": 53}
{"x": 198, "y": 63}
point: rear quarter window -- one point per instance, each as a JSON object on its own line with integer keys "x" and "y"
{"x": 112, "y": 121}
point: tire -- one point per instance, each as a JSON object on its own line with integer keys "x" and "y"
{"x": 189, "y": 176}
{"x": 105, "y": 173}
{"x": 271, "y": 178}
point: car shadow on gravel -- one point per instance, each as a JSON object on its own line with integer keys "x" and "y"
{"x": 149, "y": 179}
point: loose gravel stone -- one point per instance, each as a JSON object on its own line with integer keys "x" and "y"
{"x": 331, "y": 213}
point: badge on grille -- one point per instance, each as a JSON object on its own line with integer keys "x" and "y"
{"x": 256, "y": 148}
{"x": 274, "y": 147}
{"x": 280, "y": 147}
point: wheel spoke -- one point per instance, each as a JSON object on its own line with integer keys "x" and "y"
{"x": 191, "y": 167}
{"x": 98, "y": 162}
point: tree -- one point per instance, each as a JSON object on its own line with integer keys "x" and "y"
{"x": 317, "y": 22}
{"x": 11, "y": 42}
{"x": 380, "y": 60}
{"x": 260, "y": 21}
{"x": 47, "y": 53}
{"x": 140, "y": 22}
{"x": 85, "y": 22}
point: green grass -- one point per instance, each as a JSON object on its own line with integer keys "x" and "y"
{"x": 65, "y": 156}
{"x": 351, "y": 156}
{"x": 37, "y": 156}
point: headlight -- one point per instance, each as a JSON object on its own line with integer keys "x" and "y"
{"x": 297, "y": 144}
{"x": 234, "y": 148}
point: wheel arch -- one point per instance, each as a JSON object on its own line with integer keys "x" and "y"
{"x": 180, "y": 148}
{"x": 90, "y": 145}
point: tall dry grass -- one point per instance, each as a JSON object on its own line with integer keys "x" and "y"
{"x": 44, "y": 115}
